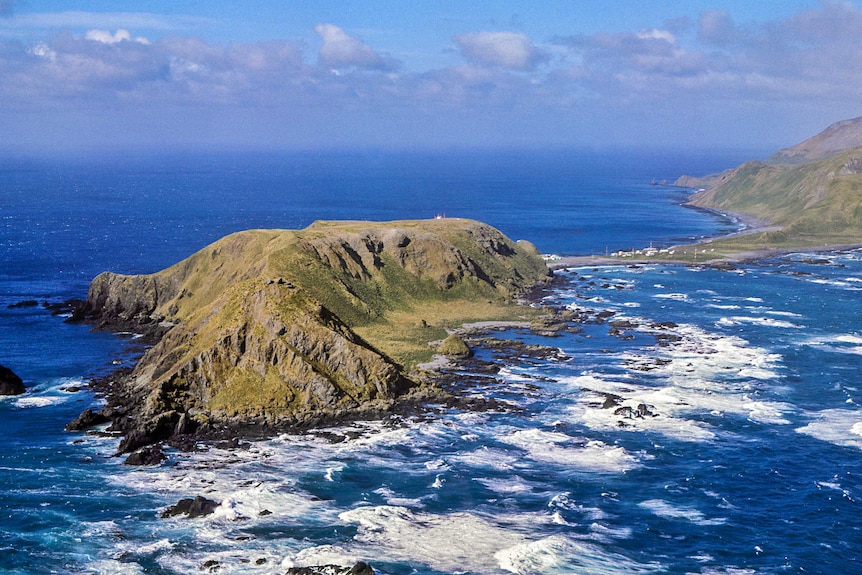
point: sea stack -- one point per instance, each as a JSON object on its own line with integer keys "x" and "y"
{"x": 10, "y": 384}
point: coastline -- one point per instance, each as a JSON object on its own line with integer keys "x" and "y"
{"x": 749, "y": 225}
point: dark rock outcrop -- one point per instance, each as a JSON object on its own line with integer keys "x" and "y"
{"x": 197, "y": 507}
{"x": 360, "y": 568}
{"x": 151, "y": 455}
{"x": 10, "y": 383}
{"x": 24, "y": 303}
{"x": 88, "y": 419}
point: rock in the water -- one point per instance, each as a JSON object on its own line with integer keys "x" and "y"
{"x": 10, "y": 384}
{"x": 87, "y": 419}
{"x": 361, "y": 568}
{"x": 25, "y": 303}
{"x": 197, "y": 507}
{"x": 152, "y": 455}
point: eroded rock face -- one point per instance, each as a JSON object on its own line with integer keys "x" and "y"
{"x": 257, "y": 327}
{"x": 10, "y": 384}
{"x": 262, "y": 359}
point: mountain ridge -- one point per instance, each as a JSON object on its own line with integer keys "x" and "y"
{"x": 837, "y": 137}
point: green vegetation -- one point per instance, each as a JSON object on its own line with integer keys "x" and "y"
{"x": 276, "y": 322}
{"x": 454, "y": 346}
{"x": 808, "y": 205}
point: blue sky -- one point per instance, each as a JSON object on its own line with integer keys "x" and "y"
{"x": 266, "y": 74}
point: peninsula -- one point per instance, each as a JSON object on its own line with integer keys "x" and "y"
{"x": 294, "y": 327}
{"x": 808, "y": 196}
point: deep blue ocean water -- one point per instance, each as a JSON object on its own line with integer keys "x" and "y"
{"x": 750, "y": 465}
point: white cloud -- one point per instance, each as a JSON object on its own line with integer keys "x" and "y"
{"x": 105, "y": 36}
{"x": 340, "y": 49}
{"x": 505, "y": 49}
{"x": 42, "y": 50}
{"x": 656, "y": 34}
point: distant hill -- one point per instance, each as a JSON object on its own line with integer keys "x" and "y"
{"x": 836, "y": 138}
{"x": 809, "y": 194}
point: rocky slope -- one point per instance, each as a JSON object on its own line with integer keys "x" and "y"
{"x": 261, "y": 326}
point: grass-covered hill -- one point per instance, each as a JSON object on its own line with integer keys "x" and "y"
{"x": 807, "y": 203}
{"x": 289, "y": 323}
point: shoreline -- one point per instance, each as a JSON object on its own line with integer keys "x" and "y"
{"x": 749, "y": 225}
{"x": 566, "y": 262}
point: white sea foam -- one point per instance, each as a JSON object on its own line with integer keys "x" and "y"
{"x": 561, "y": 449}
{"x": 784, "y": 313}
{"x": 755, "y": 320}
{"x": 114, "y": 567}
{"x": 560, "y": 554}
{"x": 321, "y": 555}
{"x": 700, "y": 356}
{"x": 843, "y": 284}
{"x": 662, "y": 508}
{"x": 604, "y": 534}
{"x": 723, "y": 306}
{"x": 46, "y": 394}
{"x": 673, "y": 296}
{"x": 844, "y": 343}
{"x": 670, "y": 409}
{"x": 565, "y": 502}
{"x": 467, "y": 542}
{"x": 838, "y": 426}
{"x": 700, "y": 372}
{"x": 454, "y": 542}
{"x": 487, "y": 458}
{"x": 38, "y": 401}
{"x": 508, "y": 486}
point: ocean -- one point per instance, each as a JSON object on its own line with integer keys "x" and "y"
{"x": 712, "y": 425}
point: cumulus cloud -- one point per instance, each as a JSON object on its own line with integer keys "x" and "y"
{"x": 510, "y": 50}
{"x": 812, "y": 59}
{"x": 105, "y": 36}
{"x": 340, "y": 50}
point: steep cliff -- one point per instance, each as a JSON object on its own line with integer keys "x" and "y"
{"x": 264, "y": 325}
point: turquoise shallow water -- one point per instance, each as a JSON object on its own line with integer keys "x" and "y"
{"x": 750, "y": 462}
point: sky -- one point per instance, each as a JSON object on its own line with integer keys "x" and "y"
{"x": 413, "y": 74}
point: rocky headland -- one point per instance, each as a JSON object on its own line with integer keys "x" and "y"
{"x": 283, "y": 329}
